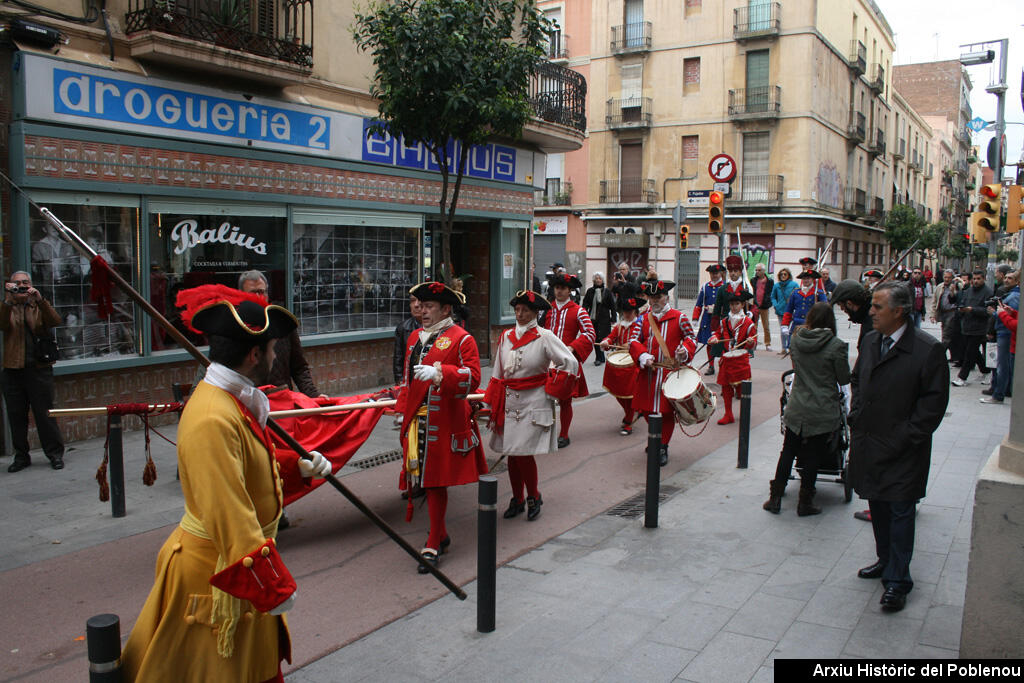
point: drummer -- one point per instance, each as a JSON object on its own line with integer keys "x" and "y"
{"x": 619, "y": 378}
{"x": 702, "y": 312}
{"x": 737, "y": 337}
{"x": 523, "y": 413}
{"x": 656, "y": 358}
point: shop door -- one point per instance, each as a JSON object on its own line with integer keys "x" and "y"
{"x": 548, "y": 249}
{"x": 688, "y": 274}
{"x": 471, "y": 244}
{"x": 636, "y": 259}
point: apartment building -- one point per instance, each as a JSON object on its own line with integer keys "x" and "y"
{"x": 913, "y": 167}
{"x": 191, "y": 140}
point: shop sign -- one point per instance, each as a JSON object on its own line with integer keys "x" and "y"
{"x": 493, "y": 162}
{"x": 551, "y": 225}
{"x": 619, "y": 241}
{"x": 186, "y": 234}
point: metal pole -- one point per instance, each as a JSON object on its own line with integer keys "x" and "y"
{"x": 653, "y": 471}
{"x": 486, "y": 552}
{"x": 999, "y": 90}
{"x": 103, "y": 642}
{"x": 744, "y": 445}
{"x": 721, "y": 246}
{"x": 115, "y": 466}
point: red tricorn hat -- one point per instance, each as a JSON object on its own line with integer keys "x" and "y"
{"x": 227, "y": 312}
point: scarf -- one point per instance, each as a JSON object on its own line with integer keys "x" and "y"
{"x": 522, "y": 329}
{"x": 736, "y": 318}
{"x": 735, "y": 283}
{"x": 806, "y": 289}
{"x": 242, "y": 388}
{"x": 439, "y": 326}
{"x": 560, "y": 306}
{"x": 658, "y": 312}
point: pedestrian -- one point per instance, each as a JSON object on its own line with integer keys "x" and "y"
{"x": 921, "y": 291}
{"x": 620, "y": 380}
{"x": 440, "y": 441}
{"x": 26, "y": 320}
{"x": 827, "y": 283}
{"x": 973, "y": 326}
{"x": 215, "y": 612}
{"x": 1002, "y": 384}
{"x": 402, "y": 332}
{"x": 702, "y": 311}
{"x": 736, "y": 336}
{"x": 801, "y": 300}
{"x": 999, "y": 291}
{"x": 762, "y": 285}
{"x": 944, "y": 307}
{"x": 523, "y": 413}
{"x": 855, "y": 299}
{"x": 900, "y": 389}
{"x": 813, "y": 415}
{"x": 785, "y": 285}
{"x": 572, "y": 325}
{"x": 654, "y": 357}
{"x": 599, "y": 303}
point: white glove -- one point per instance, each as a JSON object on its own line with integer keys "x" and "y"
{"x": 318, "y": 467}
{"x": 785, "y": 329}
{"x": 645, "y": 360}
{"x": 682, "y": 354}
{"x": 285, "y": 606}
{"x": 425, "y": 373}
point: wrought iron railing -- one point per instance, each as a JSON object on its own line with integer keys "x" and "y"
{"x": 630, "y": 112}
{"x": 557, "y": 46}
{"x": 755, "y": 20}
{"x": 901, "y": 149}
{"x": 635, "y": 36}
{"x": 764, "y": 100}
{"x": 878, "y": 211}
{"x": 858, "y": 125}
{"x": 628, "y": 191}
{"x": 277, "y": 29}
{"x": 761, "y": 189}
{"x": 877, "y": 81}
{"x": 559, "y": 95}
{"x": 858, "y": 56}
{"x": 856, "y": 201}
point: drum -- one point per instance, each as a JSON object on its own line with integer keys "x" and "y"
{"x": 619, "y": 374}
{"x": 692, "y": 401}
{"x": 734, "y": 367}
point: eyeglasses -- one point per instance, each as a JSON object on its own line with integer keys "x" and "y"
{"x": 22, "y": 282}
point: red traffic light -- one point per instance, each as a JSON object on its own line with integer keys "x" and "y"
{"x": 716, "y": 197}
{"x": 991, "y": 190}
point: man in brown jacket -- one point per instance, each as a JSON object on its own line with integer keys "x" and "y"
{"x": 25, "y": 317}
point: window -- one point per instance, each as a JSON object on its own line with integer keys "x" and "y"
{"x": 757, "y": 95}
{"x": 634, "y": 13}
{"x": 754, "y": 182}
{"x": 691, "y": 74}
{"x": 63, "y": 277}
{"x": 513, "y": 264}
{"x": 691, "y": 154}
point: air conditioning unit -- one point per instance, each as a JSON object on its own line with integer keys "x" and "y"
{"x": 632, "y": 230}
{"x": 613, "y": 230}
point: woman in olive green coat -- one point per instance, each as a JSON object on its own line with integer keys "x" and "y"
{"x": 813, "y": 413}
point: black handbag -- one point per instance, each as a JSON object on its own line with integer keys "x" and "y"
{"x": 44, "y": 348}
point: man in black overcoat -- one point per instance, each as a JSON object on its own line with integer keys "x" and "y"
{"x": 900, "y": 390}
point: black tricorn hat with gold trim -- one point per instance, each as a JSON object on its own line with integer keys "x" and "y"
{"x": 438, "y": 291}
{"x": 226, "y": 312}
{"x": 654, "y": 287}
{"x": 564, "y": 280}
{"x": 531, "y": 299}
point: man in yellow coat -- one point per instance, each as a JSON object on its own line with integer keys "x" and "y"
{"x": 216, "y": 610}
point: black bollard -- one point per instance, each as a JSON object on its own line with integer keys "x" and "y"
{"x": 115, "y": 466}
{"x": 744, "y": 445}
{"x": 653, "y": 471}
{"x": 103, "y": 642}
{"x": 486, "y": 552}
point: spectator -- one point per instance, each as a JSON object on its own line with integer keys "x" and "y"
{"x": 855, "y": 300}
{"x": 973, "y": 325}
{"x": 813, "y": 413}
{"x": 26, "y": 318}
{"x": 827, "y": 282}
{"x": 944, "y": 307}
{"x": 920, "y": 291}
{"x": 536, "y": 285}
{"x": 403, "y": 331}
{"x": 900, "y": 392}
{"x": 623, "y": 276}
{"x": 600, "y": 304}
{"x": 652, "y": 272}
{"x": 784, "y": 286}
{"x": 460, "y": 312}
{"x": 762, "y": 285}
{"x": 1010, "y": 302}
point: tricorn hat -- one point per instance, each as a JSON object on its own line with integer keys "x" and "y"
{"x": 809, "y": 273}
{"x": 565, "y": 280}
{"x": 873, "y": 272}
{"x": 742, "y": 295}
{"x": 227, "y": 312}
{"x": 438, "y": 291}
{"x": 531, "y": 299}
{"x": 629, "y": 298}
{"x": 715, "y": 268}
{"x": 655, "y": 287}
{"x": 807, "y": 262}
{"x": 733, "y": 262}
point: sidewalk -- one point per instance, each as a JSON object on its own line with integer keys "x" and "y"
{"x": 716, "y": 593}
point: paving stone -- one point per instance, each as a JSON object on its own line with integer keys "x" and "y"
{"x": 729, "y": 588}
{"x": 649, "y": 662}
{"x": 729, "y": 657}
{"x": 806, "y": 640}
{"x": 794, "y": 580}
{"x": 692, "y": 625}
{"x": 883, "y": 636}
{"x": 942, "y": 627}
{"x": 835, "y": 607}
{"x": 765, "y": 616}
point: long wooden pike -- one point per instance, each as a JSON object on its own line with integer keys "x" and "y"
{"x": 897, "y": 262}
{"x": 83, "y": 247}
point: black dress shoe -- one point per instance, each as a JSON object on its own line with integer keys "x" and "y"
{"x": 663, "y": 455}
{"x": 892, "y": 600}
{"x": 445, "y": 542}
{"x": 533, "y": 508}
{"x": 563, "y": 441}
{"x": 427, "y": 556}
{"x": 873, "y": 571}
{"x": 19, "y": 465}
{"x": 57, "y": 463}
{"x": 515, "y": 508}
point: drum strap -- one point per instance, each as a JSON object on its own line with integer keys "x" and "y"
{"x": 656, "y": 331}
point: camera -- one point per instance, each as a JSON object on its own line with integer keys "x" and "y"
{"x": 23, "y": 290}
{"x": 993, "y": 302}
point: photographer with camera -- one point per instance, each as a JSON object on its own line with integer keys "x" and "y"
{"x": 26, "y": 319}
{"x": 973, "y": 326}
{"x": 1004, "y": 310}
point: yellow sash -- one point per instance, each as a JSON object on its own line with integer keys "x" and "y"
{"x": 412, "y": 454}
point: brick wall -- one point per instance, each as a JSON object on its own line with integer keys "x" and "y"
{"x": 932, "y": 89}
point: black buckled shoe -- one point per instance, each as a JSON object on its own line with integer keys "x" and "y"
{"x": 533, "y": 508}
{"x": 515, "y": 508}
{"x": 427, "y": 556}
{"x": 57, "y": 463}
{"x": 19, "y": 464}
{"x": 892, "y": 600}
{"x": 663, "y": 455}
{"x": 563, "y": 441}
{"x": 872, "y": 571}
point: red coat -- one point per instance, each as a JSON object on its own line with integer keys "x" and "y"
{"x": 620, "y": 382}
{"x": 453, "y": 454}
{"x": 735, "y": 369}
{"x": 676, "y": 331}
{"x": 573, "y": 327}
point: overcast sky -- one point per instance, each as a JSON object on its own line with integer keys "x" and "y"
{"x": 934, "y": 30}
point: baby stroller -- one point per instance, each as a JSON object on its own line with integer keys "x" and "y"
{"x": 834, "y": 466}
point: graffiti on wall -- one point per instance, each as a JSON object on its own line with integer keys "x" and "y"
{"x": 757, "y": 249}
{"x": 828, "y": 185}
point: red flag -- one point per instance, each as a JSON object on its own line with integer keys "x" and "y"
{"x": 99, "y": 274}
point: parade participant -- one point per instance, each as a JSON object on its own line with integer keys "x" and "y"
{"x": 440, "y": 440}
{"x": 801, "y": 300}
{"x": 736, "y": 332}
{"x": 571, "y": 324}
{"x": 654, "y": 356}
{"x": 621, "y": 382}
{"x": 734, "y": 284}
{"x": 215, "y": 610}
{"x": 872, "y": 277}
{"x": 523, "y": 413}
{"x": 702, "y": 311}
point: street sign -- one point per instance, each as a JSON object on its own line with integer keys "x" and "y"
{"x": 977, "y": 124}
{"x": 697, "y": 197}
{"x": 678, "y": 214}
{"x": 722, "y": 168}
{"x": 721, "y": 187}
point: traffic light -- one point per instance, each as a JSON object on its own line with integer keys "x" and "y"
{"x": 684, "y": 235}
{"x": 990, "y": 206}
{"x": 1015, "y": 209}
{"x": 977, "y": 233}
{"x": 716, "y": 212}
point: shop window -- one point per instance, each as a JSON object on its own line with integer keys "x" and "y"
{"x": 513, "y": 266}
{"x": 353, "y": 277}
{"x": 211, "y": 246}
{"x": 63, "y": 277}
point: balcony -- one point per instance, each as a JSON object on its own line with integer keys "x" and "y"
{"x": 961, "y": 168}
{"x": 270, "y": 41}
{"x": 855, "y": 202}
{"x": 761, "y": 189}
{"x": 542, "y": 198}
{"x": 901, "y": 150}
{"x": 559, "y": 96}
{"x": 628, "y": 191}
{"x": 856, "y": 130}
{"x": 877, "y": 212}
{"x": 628, "y": 113}
{"x": 756, "y": 21}
{"x": 630, "y": 38}
{"x": 929, "y": 170}
{"x": 557, "y": 49}
{"x": 876, "y": 145}
{"x": 858, "y": 59}
{"x": 762, "y": 102}
{"x": 914, "y": 161}
{"x": 877, "y": 80}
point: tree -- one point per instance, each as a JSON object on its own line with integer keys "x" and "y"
{"x": 1007, "y": 255}
{"x": 902, "y": 227}
{"x": 451, "y": 74}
